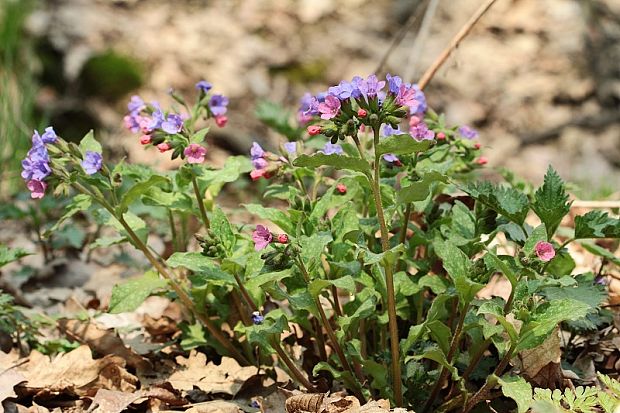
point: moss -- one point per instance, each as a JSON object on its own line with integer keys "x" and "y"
{"x": 110, "y": 76}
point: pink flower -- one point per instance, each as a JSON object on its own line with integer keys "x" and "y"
{"x": 195, "y": 153}
{"x": 342, "y": 188}
{"x": 441, "y": 136}
{"x": 407, "y": 96}
{"x": 282, "y": 238}
{"x": 414, "y": 121}
{"x": 37, "y": 188}
{"x": 221, "y": 120}
{"x": 145, "y": 139}
{"x": 361, "y": 113}
{"x": 261, "y": 237}
{"x": 256, "y": 174}
{"x": 477, "y": 145}
{"x": 163, "y": 147}
{"x": 482, "y": 160}
{"x": 544, "y": 251}
{"x": 330, "y": 107}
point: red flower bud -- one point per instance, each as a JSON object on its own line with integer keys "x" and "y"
{"x": 342, "y": 188}
{"x": 313, "y": 130}
{"x": 361, "y": 113}
{"x": 441, "y": 136}
{"x": 414, "y": 121}
{"x": 282, "y": 238}
{"x": 477, "y": 145}
{"x": 221, "y": 120}
{"x": 482, "y": 160}
{"x": 145, "y": 139}
{"x": 163, "y": 147}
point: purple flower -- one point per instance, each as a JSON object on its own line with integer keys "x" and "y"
{"x": 332, "y": 149}
{"x": 421, "y": 132}
{"x": 37, "y": 188}
{"x": 468, "y": 132}
{"x": 291, "y": 147}
{"x": 343, "y": 91}
{"x": 391, "y": 158}
{"x": 157, "y": 118}
{"x": 195, "y": 153}
{"x": 257, "y": 318}
{"x": 388, "y": 130}
{"x": 36, "y": 164}
{"x": 256, "y": 151}
{"x": 356, "y": 82}
{"x": 204, "y": 86}
{"x": 261, "y": 237}
{"x": 308, "y": 107}
{"x": 218, "y": 104}
{"x": 136, "y": 105}
{"x": 371, "y": 86}
{"x": 330, "y": 107}
{"x": 420, "y": 99}
{"x": 92, "y": 162}
{"x": 173, "y": 124}
{"x": 49, "y": 136}
{"x": 394, "y": 83}
{"x": 544, "y": 251}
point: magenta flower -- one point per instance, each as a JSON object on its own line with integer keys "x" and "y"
{"x": 544, "y": 251}
{"x": 421, "y": 132}
{"x": 37, "y": 188}
{"x": 261, "y": 237}
{"x": 330, "y": 107}
{"x": 195, "y": 153}
{"x": 406, "y": 96}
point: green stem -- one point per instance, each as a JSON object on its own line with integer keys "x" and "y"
{"x": 173, "y": 231}
{"x": 183, "y": 296}
{"x": 389, "y": 278}
{"x": 244, "y": 293}
{"x": 403, "y": 232}
{"x": 201, "y": 204}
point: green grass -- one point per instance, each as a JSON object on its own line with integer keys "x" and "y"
{"x": 17, "y": 92}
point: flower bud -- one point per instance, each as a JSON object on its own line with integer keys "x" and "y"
{"x": 163, "y": 147}
{"x": 342, "y": 188}
{"x": 414, "y": 121}
{"x": 283, "y": 238}
{"x": 477, "y": 145}
{"x": 362, "y": 113}
{"x": 374, "y": 119}
{"x": 145, "y": 139}
{"x": 313, "y": 130}
{"x": 441, "y": 136}
{"x": 482, "y": 160}
{"x": 221, "y": 120}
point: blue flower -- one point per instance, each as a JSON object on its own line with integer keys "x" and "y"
{"x": 92, "y": 162}
{"x": 388, "y": 130}
{"x": 36, "y": 164}
{"x": 218, "y": 104}
{"x": 157, "y": 117}
{"x": 204, "y": 86}
{"x": 257, "y": 318}
{"x": 331, "y": 149}
{"x": 394, "y": 83}
{"x": 173, "y": 124}
{"x": 468, "y": 132}
{"x": 291, "y": 147}
{"x": 136, "y": 104}
{"x": 371, "y": 86}
{"x": 49, "y": 136}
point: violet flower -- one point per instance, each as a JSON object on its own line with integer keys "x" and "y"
{"x": 204, "y": 86}
{"x": 136, "y": 105}
{"x": 257, "y": 318}
{"x": 92, "y": 162}
{"x": 49, "y": 136}
{"x": 218, "y": 105}
{"x": 261, "y": 237}
{"x": 468, "y": 132}
{"x": 291, "y": 147}
{"x": 332, "y": 149}
{"x": 421, "y": 132}
{"x": 371, "y": 86}
{"x": 394, "y": 83}
{"x": 173, "y": 124}
{"x": 195, "y": 153}
{"x": 37, "y": 188}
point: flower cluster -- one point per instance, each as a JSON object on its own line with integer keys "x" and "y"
{"x": 171, "y": 131}
{"x": 263, "y": 237}
{"x": 36, "y": 166}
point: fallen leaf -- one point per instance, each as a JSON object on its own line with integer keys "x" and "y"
{"x": 216, "y": 406}
{"x": 227, "y": 377}
{"x": 9, "y": 379}
{"x": 111, "y": 401}
{"x": 102, "y": 341}
{"x": 541, "y": 365}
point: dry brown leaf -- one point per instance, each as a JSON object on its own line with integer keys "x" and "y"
{"x": 111, "y": 401}
{"x": 9, "y": 379}
{"x": 216, "y": 406}
{"x": 376, "y": 406}
{"x": 532, "y": 361}
{"x": 102, "y": 341}
{"x": 228, "y": 377}
{"x": 339, "y": 404}
{"x": 74, "y": 371}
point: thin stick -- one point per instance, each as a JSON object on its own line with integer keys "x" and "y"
{"x": 595, "y": 204}
{"x": 441, "y": 59}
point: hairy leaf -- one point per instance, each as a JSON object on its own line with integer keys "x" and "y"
{"x": 507, "y": 201}
{"x": 518, "y": 390}
{"x": 596, "y": 224}
{"x": 131, "y": 294}
{"x": 403, "y": 144}
{"x": 551, "y": 201}
{"x": 337, "y": 161}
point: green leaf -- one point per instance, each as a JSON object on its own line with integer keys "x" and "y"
{"x": 551, "y": 201}
{"x": 493, "y": 261}
{"x": 131, "y": 294}
{"x": 459, "y": 268}
{"x": 441, "y": 333}
{"x": 337, "y": 161}
{"x": 509, "y": 202}
{"x": 222, "y": 229}
{"x": 88, "y": 143}
{"x": 596, "y": 224}
{"x": 561, "y": 264}
{"x": 401, "y": 145}
{"x": 518, "y": 390}
{"x": 199, "y": 136}
{"x": 539, "y": 234}
{"x": 312, "y": 248}
{"x": 173, "y": 200}
{"x": 8, "y": 255}
{"x": 419, "y": 190}
{"x": 139, "y": 189}
{"x": 274, "y": 215}
{"x": 79, "y": 203}
{"x": 438, "y": 356}
{"x": 546, "y": 319}
{"x": 601, "y": 252}
{"x": 277, "y": 118}
{"x": 230, "y": 172}
{"x": 266, "y": 278}
{"x": 203, "y": 267}
{"x": 493, "y": 308}
{"x": 134, "y": 222}
{"x": 346, "y": 283}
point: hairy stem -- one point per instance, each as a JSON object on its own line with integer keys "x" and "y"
{"x": 201, "y": 204}
{"x": 292, "y": 367}
{"x": 173, "y": 231}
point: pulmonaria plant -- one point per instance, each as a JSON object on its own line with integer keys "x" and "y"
{"x": 375, "y": 241}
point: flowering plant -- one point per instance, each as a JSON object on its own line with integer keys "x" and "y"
{"x": 378, "y": 260}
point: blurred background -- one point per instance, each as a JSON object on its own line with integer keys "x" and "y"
{"x": 539, "y": 79}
